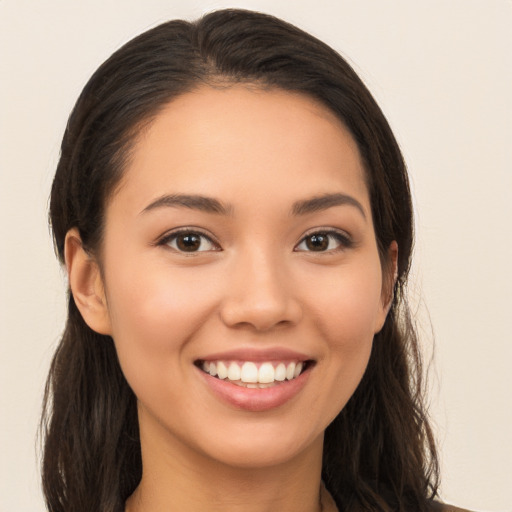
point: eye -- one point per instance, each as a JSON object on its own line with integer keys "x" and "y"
{"x": 324, "y": 241}
{"x": 189, "y": 241}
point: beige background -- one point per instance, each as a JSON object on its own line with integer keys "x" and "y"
{"x": 442, "y": 72}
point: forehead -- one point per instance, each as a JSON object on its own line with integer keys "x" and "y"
{"x": 243, "y": 138}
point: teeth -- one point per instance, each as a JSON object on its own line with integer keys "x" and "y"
{"x": 290, "y": 371}
{"x": 249, "y": 375}
{"x": 234, "y": 372}
{"x": 253, "y": 385}
{"x": 280, "y": 373}
{"x": 266, "y": 373}
{"x": 222, "y": 370}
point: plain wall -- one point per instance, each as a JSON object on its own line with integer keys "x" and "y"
{"x": 442, "y": 72}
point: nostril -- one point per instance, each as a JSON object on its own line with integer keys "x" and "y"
{"x": 262, "y": 315}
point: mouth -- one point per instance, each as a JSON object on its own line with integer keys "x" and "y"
{"x": 254, "y": 374}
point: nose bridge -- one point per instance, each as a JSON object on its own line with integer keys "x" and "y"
{"x": 260, "y": 290}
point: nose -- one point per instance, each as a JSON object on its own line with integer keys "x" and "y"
{"x": 260, "y": 295}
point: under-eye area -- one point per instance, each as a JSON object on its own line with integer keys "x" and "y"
{"x": 251, "y": 374}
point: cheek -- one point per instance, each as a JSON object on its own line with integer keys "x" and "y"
{"x": 154, "y": 314}
{"x": 345, "y": 314}
{"x": 348, "y": 305}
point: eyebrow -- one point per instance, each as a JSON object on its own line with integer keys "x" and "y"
{"x": 324, "y": 202}
{"x": 192, "y": 201}
{"x": 212, "y": 205}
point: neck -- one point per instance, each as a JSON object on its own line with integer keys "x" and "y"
{"x": 182, "y": 479}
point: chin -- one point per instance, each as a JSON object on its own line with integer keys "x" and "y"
{"x": 260, "y": 448}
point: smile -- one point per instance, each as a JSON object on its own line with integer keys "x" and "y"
{"x": 251, "y": 374}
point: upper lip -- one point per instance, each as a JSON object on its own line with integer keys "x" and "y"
{"x": 252, "y": 354}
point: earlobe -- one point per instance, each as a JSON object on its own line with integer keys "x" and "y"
{"x": 86, "y": 284}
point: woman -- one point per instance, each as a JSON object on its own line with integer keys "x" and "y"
{"x": 234, "y": 215}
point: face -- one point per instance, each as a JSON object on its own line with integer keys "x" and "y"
{"x": 242, "y": 280}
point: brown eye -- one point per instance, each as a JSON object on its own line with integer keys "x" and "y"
{"x": 317, "y": 242}
{"x": 324, "y": 241}
{"x": 189, "y": 241}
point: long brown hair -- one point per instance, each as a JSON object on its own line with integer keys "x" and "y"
{"x": 379, "y": 453}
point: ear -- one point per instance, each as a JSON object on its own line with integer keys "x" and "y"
{"x": 86, "y": 284}
{"x": 389, "y": 277}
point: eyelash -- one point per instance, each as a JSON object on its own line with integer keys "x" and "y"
{"x": 342, "y": 239}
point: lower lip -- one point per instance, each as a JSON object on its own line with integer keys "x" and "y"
{"x": 256, "y": 399}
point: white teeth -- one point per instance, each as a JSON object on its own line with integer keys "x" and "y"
{"x": 222, "y": 370}
{"x": 249, "y": 375}
{"x": 280, "y": 373}
{"x": 290, "y": 371}
{"x": 265, "y": 373}
{"x": 253, "y": 385}
{"x": 234, "y": 372}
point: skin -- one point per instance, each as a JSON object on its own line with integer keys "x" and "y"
{"x": 257, "y": 285}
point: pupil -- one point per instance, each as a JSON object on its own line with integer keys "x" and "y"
{"x": 188, "y": 243}
{"x": 318, "y": 242}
